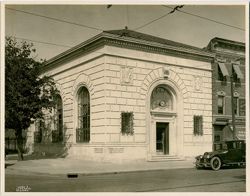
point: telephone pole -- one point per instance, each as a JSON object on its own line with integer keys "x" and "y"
{"x": 232, "y": 103}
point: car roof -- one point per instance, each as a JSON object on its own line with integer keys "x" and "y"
{"x": 235, "y": 141}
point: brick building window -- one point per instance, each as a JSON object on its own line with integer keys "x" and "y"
{"x": 198, "y": 125}
{"x": 217, "y": 138}
{"x": 83, "y": 106}
{"x": 236, "y": 105}
{"x": 220, "y": 75}
{"x": 222, "y": 72}
{"x": 220, "y": 104}
{"x": 237, "y": 74}
{"x": 235, "y": 77}
{"x": 127, "y": 124}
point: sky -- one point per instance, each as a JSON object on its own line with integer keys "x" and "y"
{"x": 178, "y": 26}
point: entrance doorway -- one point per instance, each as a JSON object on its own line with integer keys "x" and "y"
{"x": 162, "y": 138}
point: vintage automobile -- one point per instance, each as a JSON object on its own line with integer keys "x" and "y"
{"x": 225, "y": 154}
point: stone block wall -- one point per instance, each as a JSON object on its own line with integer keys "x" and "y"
{"x": 194, "y": 82}
{"x": 119, "y": 81}
{"x": 91, "y": 75}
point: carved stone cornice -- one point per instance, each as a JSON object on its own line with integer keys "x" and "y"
{"x": 226, "y": 47}
{"x": 131, "y": 43}
{"x": 163, "y": 49}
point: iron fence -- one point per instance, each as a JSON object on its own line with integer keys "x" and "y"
{"x": 11, "y": 144}
{"x": 56, "y": 136}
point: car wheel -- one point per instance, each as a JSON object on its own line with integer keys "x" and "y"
{"x": 215, "y": 163}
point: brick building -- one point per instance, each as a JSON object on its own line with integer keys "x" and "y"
{"x": 229, "y": 62}
{"x": 125, "y": 95}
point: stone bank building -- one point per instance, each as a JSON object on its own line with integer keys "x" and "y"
{"x": 125, "y": 95}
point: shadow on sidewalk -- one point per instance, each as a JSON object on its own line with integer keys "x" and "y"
{"x": 9, "y": 164}
{"x": 34, "y": 156}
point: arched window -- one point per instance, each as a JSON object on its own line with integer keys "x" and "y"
{"x": 57, "y": 133}
{"x": 83, "y": 107}
{"x": 161, "y": 99}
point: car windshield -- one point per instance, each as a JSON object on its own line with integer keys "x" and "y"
{"x": 220, "y": 146}
{"x": 236, "y": 145}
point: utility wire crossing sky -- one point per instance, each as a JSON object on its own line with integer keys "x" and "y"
{"x": 176, "y": 12}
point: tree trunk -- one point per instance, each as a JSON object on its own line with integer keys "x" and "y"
{"x": 19, "y": 142}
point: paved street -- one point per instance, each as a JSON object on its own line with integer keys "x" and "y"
{"x": 174, "y": 180}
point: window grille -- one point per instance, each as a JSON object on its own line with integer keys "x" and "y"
{"x": 161, "y": 98}
{"x": 83, "y": 130}
{"x": 127, "y": 124}
{"x": 198, "y": 125}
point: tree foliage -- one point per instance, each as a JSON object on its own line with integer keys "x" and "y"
{"x": 27, "y": 93}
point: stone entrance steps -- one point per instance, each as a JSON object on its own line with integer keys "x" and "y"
{"x": 159, "y": 158}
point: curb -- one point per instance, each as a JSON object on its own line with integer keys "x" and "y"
{"x": 121, "y": 172}
{"x": 26, "y": 172}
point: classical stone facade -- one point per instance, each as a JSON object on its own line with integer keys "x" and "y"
{"x": 229, "y": 62}
{"x": 129, "y": 96}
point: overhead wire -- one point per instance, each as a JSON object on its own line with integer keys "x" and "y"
{"x": 148, "y": 23}
{"x": 49, "y": 43}
{"x": 205, "y": 18}
{"x": 55, "y": 19}
{"x": 41, "y": 42}
{"x": 60, "y": 20}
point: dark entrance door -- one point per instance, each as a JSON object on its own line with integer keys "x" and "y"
{"x": 162, "y": 138}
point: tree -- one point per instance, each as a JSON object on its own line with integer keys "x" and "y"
{"x": 27, "y": 93}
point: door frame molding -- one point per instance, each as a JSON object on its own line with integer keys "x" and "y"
{"x": 174, "y": 118}
{"x": 171, "y": 129}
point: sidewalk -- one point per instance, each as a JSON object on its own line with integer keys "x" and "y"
{"x": 77, "y": 166}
